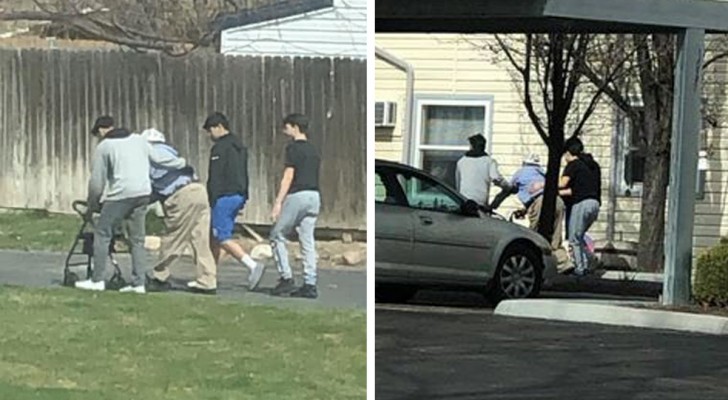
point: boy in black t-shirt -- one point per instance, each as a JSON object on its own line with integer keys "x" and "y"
{"x": 581, "y": 187}
{"x": 297, "y": 206}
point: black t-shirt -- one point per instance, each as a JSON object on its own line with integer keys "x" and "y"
{"x": 303, "y": 157}
{"x": 584, "y": 180}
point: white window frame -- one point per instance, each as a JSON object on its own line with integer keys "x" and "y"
{"x": 624, "y": 144}
{"x": 422, "y": 101}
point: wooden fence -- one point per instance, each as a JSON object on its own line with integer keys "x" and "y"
{"x": 49, "y": 99}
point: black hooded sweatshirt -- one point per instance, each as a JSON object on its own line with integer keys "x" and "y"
{"x": 228, "y": 172}
{"x": 585, "y": 179}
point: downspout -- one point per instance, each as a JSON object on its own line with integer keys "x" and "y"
{"x": 407, "y": 68}
{"x": 614, "y": 176}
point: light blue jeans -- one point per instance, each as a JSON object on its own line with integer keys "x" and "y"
{"x": 583, "y": 215}
{"x": 300, "y": 210}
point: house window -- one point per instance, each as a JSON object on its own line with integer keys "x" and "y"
{"x": 632, "y": 154}
{"x": 631, "y": 160}
{"x": 443, "y": 127}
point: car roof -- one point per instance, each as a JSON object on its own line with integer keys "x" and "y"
{"x": 387, "y": 163}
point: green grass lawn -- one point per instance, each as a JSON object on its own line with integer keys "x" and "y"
{"x": 68, "y": 344}
{"x": 41, "y": 230}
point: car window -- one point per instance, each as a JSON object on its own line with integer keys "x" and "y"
{"x": 426, "y": 194}
{"x": 380, "y": 192}
{"x": 387, "y": 190}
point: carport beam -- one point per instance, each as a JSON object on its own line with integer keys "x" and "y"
{"x": 686, "y": 125}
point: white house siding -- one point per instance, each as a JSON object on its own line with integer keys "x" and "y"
{"x": 338, "y": 31}
{"x": 451, "y": 65}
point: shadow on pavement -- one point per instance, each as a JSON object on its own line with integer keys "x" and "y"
{"x": 562, "y": 287}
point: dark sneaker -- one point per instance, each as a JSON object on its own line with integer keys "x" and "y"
{"x": 210, "y": 292}
{"x": 284, "y": 288}
{"x": 155, "y": 285}
{"x": 306, "y": 291}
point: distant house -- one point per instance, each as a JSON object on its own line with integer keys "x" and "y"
{"x": 459, "y": 91}
{"x": 298, "y": 28}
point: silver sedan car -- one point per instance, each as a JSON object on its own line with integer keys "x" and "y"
{"x": 428, "y": 235}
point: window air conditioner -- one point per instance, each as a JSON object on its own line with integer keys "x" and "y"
{"x": 385, "y": 114}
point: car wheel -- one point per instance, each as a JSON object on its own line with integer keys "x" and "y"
{"x": 519, "y": 274}
{"x": 394, "y": 293}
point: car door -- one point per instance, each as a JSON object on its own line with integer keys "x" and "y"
{"x": 449, "y": 246}
{"x": 394, "y": 235}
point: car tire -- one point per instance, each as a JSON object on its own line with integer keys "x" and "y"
{"x": 519, "y": 274}
{"x": 394, "y": 293}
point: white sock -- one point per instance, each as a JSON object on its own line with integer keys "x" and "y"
{"x": 248, "y": 261}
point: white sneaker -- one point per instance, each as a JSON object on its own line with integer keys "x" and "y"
{"x": 196, "y": 287}
{"x": 88, "y": 284}
{"x": 133, "y": 289}
{"x": 255, "y": 276}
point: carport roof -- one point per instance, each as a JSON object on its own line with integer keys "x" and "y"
{"x": 542, "y": 16}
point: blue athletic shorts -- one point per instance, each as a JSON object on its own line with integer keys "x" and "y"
{"x": 224, "y": 211}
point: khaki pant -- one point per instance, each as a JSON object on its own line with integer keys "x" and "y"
{"x": 534, "y": 213}
{"x": 187, "y": 218}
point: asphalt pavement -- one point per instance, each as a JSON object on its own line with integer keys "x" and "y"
{"x": 451, "y": 346}
{"x": 338, "y": 288}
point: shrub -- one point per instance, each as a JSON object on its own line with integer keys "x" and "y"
{"x": 711, "y": 276}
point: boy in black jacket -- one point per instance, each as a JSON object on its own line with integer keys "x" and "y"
{"x": 227, "y": 188}
{"x": 581, "y": 187}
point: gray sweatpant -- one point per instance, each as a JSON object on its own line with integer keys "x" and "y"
{"x": 583, "y": 215}
{"x": 114, "y": 213}
{"x": 300, "y": 210}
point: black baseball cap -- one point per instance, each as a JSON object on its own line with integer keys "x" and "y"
{"x": 103, "y": 121}
{"x": 215, "y": 119}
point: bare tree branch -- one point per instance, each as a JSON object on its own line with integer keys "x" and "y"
{"x": 508, "y": 54}
{"x": 528, "y": 103}
{"x": 548, "y": 101}
{"x": 715, "y": 58}
{"x": 173, "y": 27}
{"x": 607, "y": 84}
{"x": 573, "y": 78}
{"x": 588, "y": 113}
{"x": 6, "y": 15}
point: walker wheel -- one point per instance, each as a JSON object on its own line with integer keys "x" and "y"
{"x": 69, "y": 279}
{"x": 116, "y": 282}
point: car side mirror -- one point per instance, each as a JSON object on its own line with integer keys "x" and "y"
{"x": 470, "y": 208}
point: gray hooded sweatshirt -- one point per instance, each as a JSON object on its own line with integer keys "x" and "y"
{"x": 121, "y": 165}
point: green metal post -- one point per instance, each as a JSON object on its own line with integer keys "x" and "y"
{"x": 683, "y": 168}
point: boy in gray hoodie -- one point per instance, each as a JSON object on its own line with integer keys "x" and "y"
{"x": 120, "y": 163}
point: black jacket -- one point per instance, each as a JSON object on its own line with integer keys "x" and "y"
{"x": 228, "y": 172}
{"x": 593, "y": 166}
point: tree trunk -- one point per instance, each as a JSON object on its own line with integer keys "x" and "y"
{"x": 656, "y": 82}
{"x": 553, "y": 167}
{"x": 651, "y": 249}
